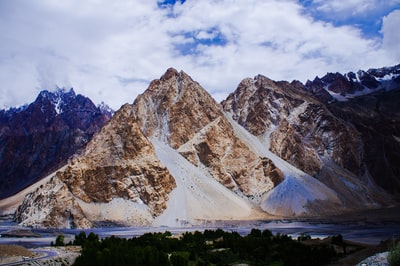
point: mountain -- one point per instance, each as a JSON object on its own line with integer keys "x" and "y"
{"x": 376, "y": 117}
{"x": 116, "y": 177}
{"x": 176, "y": 157}
{"x": 38, "y": 138}
{"x": 336, "y": 86}
{"x": 368, "y": 100}
{"x": 177, "y": 111}
{"x": 293, "y": 126}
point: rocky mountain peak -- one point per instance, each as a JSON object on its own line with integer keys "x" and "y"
{"x": 119, "y": 164}
{"x": 170, "y": 73}
{"x": 259, "y": 104}
{"x": 174, "y": 107}
{"x": 56, "y": 101}
{"x": 302, "y": 131}
{"x": 340, "y": 87}
{"x": 178, "y": 111}
{"x": 40, "y": 137}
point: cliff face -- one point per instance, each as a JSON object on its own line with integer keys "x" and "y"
{"x": 39, "y": 138}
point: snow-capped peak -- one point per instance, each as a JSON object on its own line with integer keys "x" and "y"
{"x": 58, "y": 98}
{"x": 105, "y": 109}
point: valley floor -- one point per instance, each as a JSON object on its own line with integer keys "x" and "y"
{"x": 368, "y": 229}
{"x": 18, "y": 255}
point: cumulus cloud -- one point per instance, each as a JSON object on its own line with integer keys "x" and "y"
{"x": 352, "y": 7}
{"x": 390, "y": 30}
{"x": 110, "y": 51}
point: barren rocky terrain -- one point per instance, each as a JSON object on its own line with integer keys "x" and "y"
{"x": 63, "y": 255}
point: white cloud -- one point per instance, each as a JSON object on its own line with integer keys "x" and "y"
{"x": 390, "y": 30}
{"x": 110, "y": 51}
{"x": 352, "y": 7}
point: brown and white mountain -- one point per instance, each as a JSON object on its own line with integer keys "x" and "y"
{"x": 198, "y": 170}
{"x": 177, "y": 111}
{"x": 38, "y": 138}
{"x": 116, "y": 178}
{"x": 300, "y": 130}
{"x": 177, "y": 157}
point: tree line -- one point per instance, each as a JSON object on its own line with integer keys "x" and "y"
{"x": 211, "y": 247}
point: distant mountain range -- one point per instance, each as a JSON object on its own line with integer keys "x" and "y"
{"x": 176, "y": 157}
{"x": 38, "y": 138}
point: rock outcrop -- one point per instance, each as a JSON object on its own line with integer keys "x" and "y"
{"x": 52, "y": 205}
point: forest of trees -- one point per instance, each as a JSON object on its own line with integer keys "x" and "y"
{"x": 211, "y": 247}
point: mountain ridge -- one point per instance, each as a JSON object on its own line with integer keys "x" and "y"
{"x": 341, "y": 87}
{"x": 274, "y": 148}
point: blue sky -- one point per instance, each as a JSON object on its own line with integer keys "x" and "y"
{"x": 111, "y": 50}
{"x": 365, "y": 15}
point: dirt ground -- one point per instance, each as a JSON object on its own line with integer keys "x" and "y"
{"x": 12, "y": 253}
{"x": 13, "y": 250}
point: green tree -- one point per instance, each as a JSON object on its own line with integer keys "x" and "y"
{"x": 80, "y": 239}
{"x": 178, "y": 260}
{"x": 60, "y": 240}
{"x": 255, "y": 233}
{"x": 394, "y": 255}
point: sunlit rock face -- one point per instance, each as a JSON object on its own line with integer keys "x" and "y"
{"x": 177, "y": 110}
{"x": 174, "y": 108}
{"x": 52, "y": 205}
{"x": 119, "y": 162}
{"x": 301, "y": 130}
{"x": 260, "y": 104}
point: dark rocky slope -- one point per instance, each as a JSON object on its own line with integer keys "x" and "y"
{"x": 377, "y": 117}
{"x": 39, "y": 138}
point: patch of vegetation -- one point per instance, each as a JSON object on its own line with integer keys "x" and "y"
{"x": 212, "y": 247}
{"x": 394, "y": 255}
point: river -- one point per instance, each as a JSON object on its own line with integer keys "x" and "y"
{"x": 363, "y": 231}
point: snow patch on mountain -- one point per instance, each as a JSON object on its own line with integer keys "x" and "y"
{"x": 372, "y": 80}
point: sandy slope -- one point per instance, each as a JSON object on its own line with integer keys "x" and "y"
{"x": 297, "y": 190}
{"x": 10, "y": 204}
{"x": 198, "y": 196}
